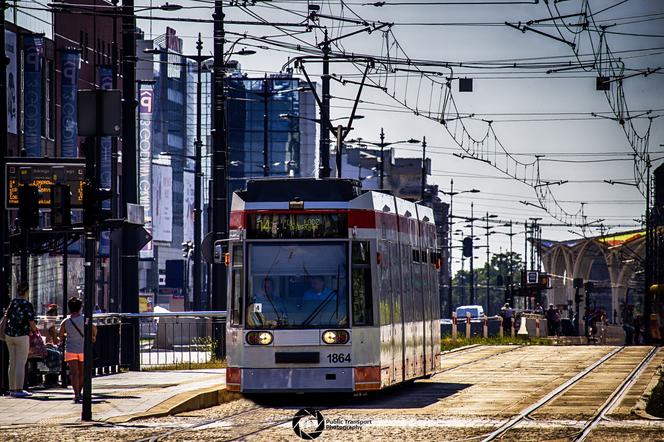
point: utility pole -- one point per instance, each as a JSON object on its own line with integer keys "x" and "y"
{"x": 450, "y": 225}
{"x": 382, "y": 159}
{"x": 472, "y": 256}
{"x": 488, "y": 265}
{"x": 424, "y": 168}
{"x": 197, "y": 180}
{"x": 219, "y": 170}
{"x": 340, "y": 143}
{"x": 266, "y": 164}
{"x": 129, "y": 276}
{"x": 647, "y": 296}
{"x": 324, "y": 167}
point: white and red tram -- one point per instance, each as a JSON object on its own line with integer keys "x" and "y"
{"x": 329, "y": 288}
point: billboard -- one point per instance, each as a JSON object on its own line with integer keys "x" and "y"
{"x": 33, "y": 101}
{"x": 105, "y": 180}
{"x": 162, "y": 199}
{"x": 70, "y": 60}
{"x": 145, "y": 102}
{"x": 188, "y": 206}
{"x": 12, "y": 82}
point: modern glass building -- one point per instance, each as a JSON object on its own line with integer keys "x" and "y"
{"x": 289, "y": 125}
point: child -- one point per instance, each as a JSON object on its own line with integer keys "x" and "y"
{"x": 72, "y": 328}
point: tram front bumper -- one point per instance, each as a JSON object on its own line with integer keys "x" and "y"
{"x": 293, "y": 380}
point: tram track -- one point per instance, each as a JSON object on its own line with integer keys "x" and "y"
{"x": 613, "y": 399}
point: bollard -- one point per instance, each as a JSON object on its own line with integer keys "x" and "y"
{"x": 485, "y": 327}
{"x": 454, "y": 328}
{"x": 537, "y": 328}
{"x": 501, "y": 328}
{"x": 467, "y": 325}
{"x": 512, "y": 326}
{"x": 523, "y": 330}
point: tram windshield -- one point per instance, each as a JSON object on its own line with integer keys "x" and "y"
{"x": 297, "y": 285}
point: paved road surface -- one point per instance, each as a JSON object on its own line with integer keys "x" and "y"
{"x": 532, "y": 393}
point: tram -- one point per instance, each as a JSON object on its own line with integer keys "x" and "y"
{"x": 330, "y": 288}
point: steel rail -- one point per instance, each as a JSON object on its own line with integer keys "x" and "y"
{"x": 616, "y": 396}
{"x": 550, "y": 396}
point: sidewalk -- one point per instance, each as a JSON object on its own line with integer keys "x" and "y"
{"x": 114, "y": 397}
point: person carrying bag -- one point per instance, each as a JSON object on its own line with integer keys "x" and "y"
{"x": 71, "y": 332}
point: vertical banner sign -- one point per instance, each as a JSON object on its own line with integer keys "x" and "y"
{"x": 12, "y": 82}
{"x": 33, "y": 48}
{"x": 162, "y": 199}
{"x": 188, "y": 195}
{"x": 145, "y": 101}
{"x": 105, "y": 82}
{"x": 105, "y": 179}
{"x": 68, "y": 90}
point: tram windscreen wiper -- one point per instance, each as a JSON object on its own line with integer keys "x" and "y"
{"x": 319, "y": 308}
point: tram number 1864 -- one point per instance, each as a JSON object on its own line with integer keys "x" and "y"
{"x": 338, "y": 358}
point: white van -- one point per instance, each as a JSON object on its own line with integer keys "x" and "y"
{"x": 476, "y": 311}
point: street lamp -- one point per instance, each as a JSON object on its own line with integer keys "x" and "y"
{"x": 451, "y": 194}
{"x": 382, "y": 144}
{"x": 199, "y": 58}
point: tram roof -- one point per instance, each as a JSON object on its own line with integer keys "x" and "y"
{"x": 303, "y": 189}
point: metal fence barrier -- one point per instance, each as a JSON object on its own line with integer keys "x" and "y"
{"x": 163, "y": 340}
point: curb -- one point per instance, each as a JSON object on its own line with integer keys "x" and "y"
{"x": 187, "y": 401}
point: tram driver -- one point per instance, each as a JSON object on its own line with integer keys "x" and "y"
{"x": 268, "y": 306}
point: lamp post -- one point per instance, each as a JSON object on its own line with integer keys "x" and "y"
{"x": 382, "y": 144}
{"x": 452, "y": 194}
{"x": 199, "y": 59}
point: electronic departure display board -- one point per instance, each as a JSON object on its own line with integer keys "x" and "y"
{"x": 43, "y": 175}
{"x": 297, "y": 225}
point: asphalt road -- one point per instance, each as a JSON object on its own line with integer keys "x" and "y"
{"x": 483, "y": 393}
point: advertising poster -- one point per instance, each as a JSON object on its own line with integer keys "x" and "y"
{"x": 70, "y": 60}
{"x": 188, "y": 206}
{"x": 162, "y": 198}
{"x": 145, "y": 103}
{"x": 105, "y": 82}
{"x": 33, "y": 101}
{"x": 12, "y": 85}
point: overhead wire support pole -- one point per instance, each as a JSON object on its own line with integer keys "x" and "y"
{"x": 129, "y": 276}
{"x": 5, "y": 259}
{"x": 324, "y": 139}
{"x": 219, "y": 170}
{"x": 197, "y": 183}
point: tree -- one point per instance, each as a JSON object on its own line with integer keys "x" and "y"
{"x": 496, "y": 275}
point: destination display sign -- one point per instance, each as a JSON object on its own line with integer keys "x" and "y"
{"x": 43, "y": 176}
{"x": 297, "y": 225}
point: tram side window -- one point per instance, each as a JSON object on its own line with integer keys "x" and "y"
{"x": 237, "y": 285}
{"x": 361, "y": 284}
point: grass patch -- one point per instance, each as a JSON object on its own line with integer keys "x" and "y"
{"x": 656, "y": 402}
{"x": 447, "y": 344}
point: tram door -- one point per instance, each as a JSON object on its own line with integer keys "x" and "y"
{"x": 397, "y": 313}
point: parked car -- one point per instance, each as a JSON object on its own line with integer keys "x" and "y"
{"x": 476, "y": 312}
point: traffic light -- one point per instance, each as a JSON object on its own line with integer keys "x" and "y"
{"x": 28, "y": 206}
{"x": 60, "y": 205}
{"x": 468, "y": 247}
{"x": 187, "y": 248}
{"x": 578, "y": 298}
{"x": 93, "y": 198}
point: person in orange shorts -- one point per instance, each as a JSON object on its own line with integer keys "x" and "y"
{"x": 72, "y": 332}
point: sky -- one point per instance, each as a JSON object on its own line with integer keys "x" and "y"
{"x": 533, "y": 113}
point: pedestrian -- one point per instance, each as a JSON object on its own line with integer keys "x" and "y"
{"x": 628, "y": 324}
{"x": 72, "y": 333}
{"x": 20, "y": 322}
{"x": 638, "y": 329}
{"x": 507, "y": 313}
{"x": 49, "y": 329}
{"x": 538, "y": 309}
{"x": 552, "y": 319}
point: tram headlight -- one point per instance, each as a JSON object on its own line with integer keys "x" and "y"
{"x": 259, "y": 338}
{"x": 336, "y": 336}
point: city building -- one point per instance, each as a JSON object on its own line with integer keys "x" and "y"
{"x": 290, "y": 126}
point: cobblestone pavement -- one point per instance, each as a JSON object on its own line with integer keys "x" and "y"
{"x": 477, "y": 391}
